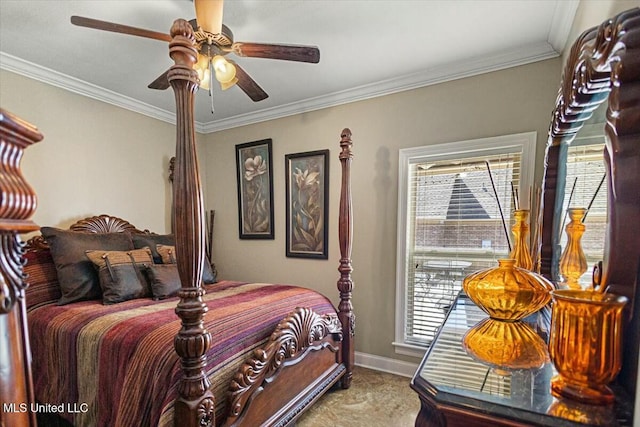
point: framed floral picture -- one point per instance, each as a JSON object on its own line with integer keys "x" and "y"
{"x": 307, "y": 190}
{"x": 255, "y": 189}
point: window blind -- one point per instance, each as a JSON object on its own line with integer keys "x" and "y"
{"x": 455, "y": 227}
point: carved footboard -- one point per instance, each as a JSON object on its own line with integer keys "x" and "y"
{"x": 303, "y": 354}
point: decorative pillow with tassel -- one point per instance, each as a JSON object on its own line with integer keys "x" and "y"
{"x": 121, "y": 273}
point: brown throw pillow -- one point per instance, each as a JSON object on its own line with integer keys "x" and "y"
{"x": 120, "y": 274}
{"x": 164, "y": 280}
{"x": 168, "y": 256}
{"x": 150, "y": 241}
{"x": 77, "y": 277}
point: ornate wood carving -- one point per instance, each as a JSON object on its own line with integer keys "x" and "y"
{"x": 195, "y": 404}
{"x": 96, "y": 224}
{"x": 299, "y": 332}
{"x": 12, "y": 284}
{"x": 17, "y": 204}
{"x": 603, "y": 66}
{"x": 345, "y": 236}
{"x": 104, "y": 224}
{"x": 172, "y": 168}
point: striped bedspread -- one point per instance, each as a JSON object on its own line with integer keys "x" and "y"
{"x": 115, "y": 365}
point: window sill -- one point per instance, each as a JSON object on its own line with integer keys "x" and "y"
{"x": 409, "y": 349}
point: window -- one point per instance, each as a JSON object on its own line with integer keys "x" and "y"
{"x": 450, "y": 224}
{"x": 585, "y": 179}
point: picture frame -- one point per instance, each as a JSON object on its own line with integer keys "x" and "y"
{"x": 307, "y": 195}
{"x": 255, "y": 189}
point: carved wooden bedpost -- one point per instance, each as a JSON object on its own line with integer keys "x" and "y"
{"x": 17, "y": 204}
{"x": 195, "y": 404}
{"x": 345, "y": 235}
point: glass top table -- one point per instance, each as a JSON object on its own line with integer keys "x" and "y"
{"x": 481, "y": 368}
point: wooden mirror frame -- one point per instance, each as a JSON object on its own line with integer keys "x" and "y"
{"x": 603, "y": 66}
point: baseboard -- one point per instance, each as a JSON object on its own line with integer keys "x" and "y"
{"x": 386, "y": 364}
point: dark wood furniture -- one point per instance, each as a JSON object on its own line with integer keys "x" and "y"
{"x": 280, "y": 380}
{"x": 602, "y": 67}
{"x": 17, "y": 205}
{"x": 456, "y": 388}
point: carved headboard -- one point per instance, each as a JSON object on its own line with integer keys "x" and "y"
{"x": 603, "y": 67}
{"x": 95, "y": 224}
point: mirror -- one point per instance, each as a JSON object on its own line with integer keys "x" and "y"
{"x": 582, "y": 185}
{"x": 602, "y": 69}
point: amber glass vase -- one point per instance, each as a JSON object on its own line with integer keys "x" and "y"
{"x": 585, "y": 344}
{"x": 573, "y": 262}
{"x": 507, "y": 292}
{"x": 520, "y": 231}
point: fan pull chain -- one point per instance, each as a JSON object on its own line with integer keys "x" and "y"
{"x": 211, "y": 84}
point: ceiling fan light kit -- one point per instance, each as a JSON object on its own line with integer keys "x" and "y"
{"x": 225, "y": 71}
{"x": 214, "y": 41}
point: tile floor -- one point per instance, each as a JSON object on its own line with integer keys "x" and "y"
{"x": 375, "y": 399}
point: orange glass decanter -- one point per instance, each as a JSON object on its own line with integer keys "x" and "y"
{"x": 508, "y": 292}
{"x": 520, "y": 230}
{"x": 573, "y": 262}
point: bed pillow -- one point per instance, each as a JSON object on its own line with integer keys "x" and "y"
{"x": 77, "y": 277}
{"x": 168, "y": 256}
{"x": 120, "y": 273}
{"x": 42, "y": 279}
{"x": 167, "y": 253}
{"x": 164, "y": 280}
{"x": 150, "y": 241}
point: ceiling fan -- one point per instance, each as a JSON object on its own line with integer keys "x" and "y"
{"x": 214, "y": 42}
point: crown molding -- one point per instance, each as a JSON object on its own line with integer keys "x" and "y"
{"x": 80, "y": 87}
{"x": 561, "y": 24}
{"x": 435, "y": 75}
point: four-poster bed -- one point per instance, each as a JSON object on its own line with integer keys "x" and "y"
{"x": 171, "y": 372}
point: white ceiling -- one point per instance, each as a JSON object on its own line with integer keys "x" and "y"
{"x": 367, "y": 49}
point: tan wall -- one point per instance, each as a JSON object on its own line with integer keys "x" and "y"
{"x": 95, "y": 158}
{"x": 511, "y": 101}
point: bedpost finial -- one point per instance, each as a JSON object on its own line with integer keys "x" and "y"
{"x": 345, "y": 135}
{"x": 182, "y": 49}
{"x": 345, "y": 144}
{"x": 183, "y": 28}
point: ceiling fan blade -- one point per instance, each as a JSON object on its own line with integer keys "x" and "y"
{"x": 161, "y": 83}
{"x": 288, "y": 52}
{"x": 118, "y": 28}
{"x": 209, "y": 15}
{"x": 248, "y": 85}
